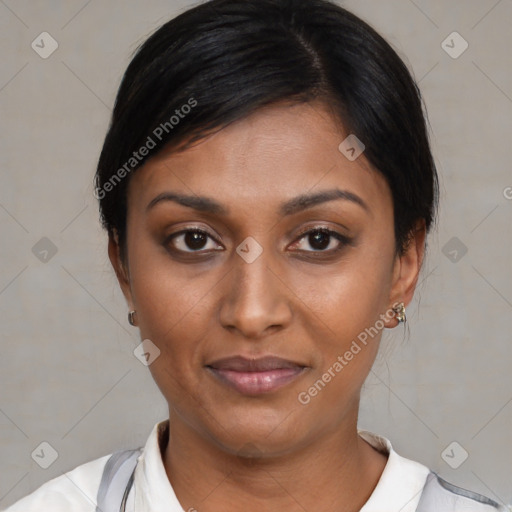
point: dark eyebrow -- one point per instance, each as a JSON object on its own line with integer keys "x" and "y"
{"x": 297, "y": 204}
{"x": 309, "y": 200}
{"x": 200, "y": 203}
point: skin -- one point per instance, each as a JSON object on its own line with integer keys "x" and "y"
{"x": 229, "y": 451}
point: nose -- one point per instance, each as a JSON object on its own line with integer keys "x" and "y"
{"x": 256, "y": 299}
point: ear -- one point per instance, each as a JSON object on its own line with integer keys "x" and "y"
{"x": 407, "y": 268}
{"x": 120, "y": 267}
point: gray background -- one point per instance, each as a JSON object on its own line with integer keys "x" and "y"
{"x": 68, "y": 374}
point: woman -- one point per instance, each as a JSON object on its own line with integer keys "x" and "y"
{"x": 267, "y": 187}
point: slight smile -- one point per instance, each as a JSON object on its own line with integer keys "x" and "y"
{"x": 255, "y": 376}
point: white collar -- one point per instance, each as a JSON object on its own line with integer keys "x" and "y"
{"x": 398, "y": 489}
{"x": 153, "y": 490}
{"x": 400, "y": 485}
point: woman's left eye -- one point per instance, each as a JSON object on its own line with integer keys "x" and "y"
{"x": 321, "y": 239}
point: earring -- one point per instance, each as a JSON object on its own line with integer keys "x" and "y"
{"x": 399, "y": 310}
{"x": 131, "y": 319}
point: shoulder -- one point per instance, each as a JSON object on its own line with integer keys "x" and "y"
{"x": 73, "y": 491}
{"x": 410, "y": 486}
{"x": 440, "y": 495}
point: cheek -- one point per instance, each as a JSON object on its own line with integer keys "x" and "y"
{"x": 349, "y": 304}
{"x": 176, "y": 318}
{"x": 351, "y": 298}
{"x": 173, "y": 314}
{"x": 173, "y": 307}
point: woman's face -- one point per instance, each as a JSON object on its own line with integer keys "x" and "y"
{"x": 234, "y": 276}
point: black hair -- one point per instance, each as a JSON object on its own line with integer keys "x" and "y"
{"x": 224, "y": 59}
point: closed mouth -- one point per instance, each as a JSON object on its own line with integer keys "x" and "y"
{"x": 255, "y": 376}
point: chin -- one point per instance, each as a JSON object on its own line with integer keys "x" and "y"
{"x": 255, "y": 433}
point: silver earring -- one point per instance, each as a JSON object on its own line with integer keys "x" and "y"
{"x": 399, "y": 310}
{"x": 131, "y": 317}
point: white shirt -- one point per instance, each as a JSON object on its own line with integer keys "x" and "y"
{"x": 398, "y": 489}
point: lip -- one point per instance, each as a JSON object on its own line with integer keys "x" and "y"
{"x": 257, "y": 375}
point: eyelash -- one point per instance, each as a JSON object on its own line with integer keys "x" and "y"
{"x": 344, "y": 240}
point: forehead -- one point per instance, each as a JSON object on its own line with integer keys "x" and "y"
{"x": 275, "y": 154}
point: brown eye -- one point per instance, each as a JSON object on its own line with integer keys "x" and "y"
{"x": 191, "y": 240}
{"x": 320, "y": 239}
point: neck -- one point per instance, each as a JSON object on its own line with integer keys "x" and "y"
{"x": 336, "y": 473}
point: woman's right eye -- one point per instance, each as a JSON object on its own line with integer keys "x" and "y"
{"x": 191, "y": 241}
